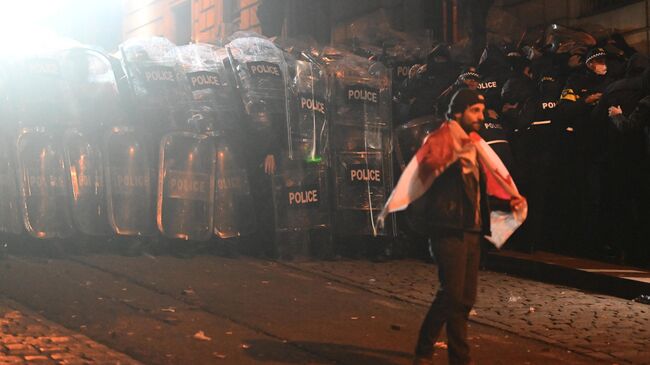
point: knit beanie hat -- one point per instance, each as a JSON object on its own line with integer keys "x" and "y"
{"x": 463, "y": 99}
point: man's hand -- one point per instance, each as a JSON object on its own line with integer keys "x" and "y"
{"x": 615, "y": 110}
{"x": 269, "y": 165}
{"x": 518, "y": 203}
{"x": 593, "y": 98}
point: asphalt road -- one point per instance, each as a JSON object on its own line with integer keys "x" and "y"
{"x": 211, "y": 310}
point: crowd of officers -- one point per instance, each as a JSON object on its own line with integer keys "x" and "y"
{"x": 573, "y": 130}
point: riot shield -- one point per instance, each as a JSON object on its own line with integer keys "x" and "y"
{"x": 210, "y": 84}
{"x": 374, "y": 35}
{"x": 186, "y": 186}
{"x": 43, "y": 184}
{"x": 261, "y": 74}
{"x": 160, "y": 100}
{"x": 10, "y": 221}
{"x": 361, "y": 143}
{"x": 159, "y": 106}
{"x": 562, "y": 39}
{"x": 129, "y": 182}
{"x": 234, "y": 209}
{"x": 410, "y": 136}
{"x": 300, "y": 188}
{"x": 41, "y": 111}
{"x": 94, "y": 102}
{"x": 212, "y": 90}
{"x": 85, "y": 168}
{"x": 362, "y": 180}
{"x": 308, "y": 126}
{"x": 301, "y": 197}
{"x": 361, "y": 92}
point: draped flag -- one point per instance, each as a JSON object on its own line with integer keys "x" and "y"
{"x": 443, "y": 147}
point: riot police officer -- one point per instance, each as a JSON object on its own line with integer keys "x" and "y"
{"x": 580, "y": 155}
{"x": 530, "y": 116}
{"x": 426, "y": 82}
{"x": 468, "y": 79}
{"x": 621, "y": 213}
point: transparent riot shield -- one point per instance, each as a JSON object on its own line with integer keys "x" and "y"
{"x": 300, "y": 188}
{"x": 261, "y": 75}
{"x": 160, "y": 100}
{"x": 43, "y": 184}
{"x": 129, "y": 186}
{"x": 562, "y": 39}
{"x": 410, "y": 136}
{"x": 361, "y": 143}
{"x": 210, "y": 84}
{"x": 94, "y": 100}
{"x": 234, "y": 209}
{"x": 361, "y": 92}
{"x": 42, "y": 115}
{"x": 363, "y": 180}
{"x": 186, "y": 186}
{"x": 308, "y": 126}
{"x": 399, "y": 51}
{"x": 10, "y": 221}
{"x": 159, "y": 106}
{"x": 84, "y": 165}
{"x": 212, "y": 90}
{"x": 301, "y": 197}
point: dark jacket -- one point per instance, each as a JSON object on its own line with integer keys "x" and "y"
{"x": 447, "y": 206}
{"x": 637, "y": 120}
{"x": 573, "y": 114}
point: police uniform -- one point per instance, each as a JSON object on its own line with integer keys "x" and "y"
{"x": 444, "y": 98}
{"x": 625, "y": 149}
{"x": 536, "y": 136}
{"x": 494, "y": 68}
{"x": 580, "y": 154}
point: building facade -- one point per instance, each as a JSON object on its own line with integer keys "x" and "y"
{"x": 212, "y": 21}
{"x": 184, "y": 21}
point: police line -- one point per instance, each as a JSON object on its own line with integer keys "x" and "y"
{"x": 171, "y": 159}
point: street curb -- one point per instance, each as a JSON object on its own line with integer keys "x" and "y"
{"x": 574, "y": 277}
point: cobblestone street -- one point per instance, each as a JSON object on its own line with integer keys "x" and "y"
{"x": 600, "y": 326}
{"x": 27, "y": 338}
{"x": 208, "y": 309}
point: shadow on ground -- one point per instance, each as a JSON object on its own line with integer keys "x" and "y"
{"x": 276, "y": 351}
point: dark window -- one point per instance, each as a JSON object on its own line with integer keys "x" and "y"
{"x": 183, "y": 23}
{"x": 231, "y": 11}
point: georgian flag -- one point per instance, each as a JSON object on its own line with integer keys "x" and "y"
{"x": 442, "y": 148}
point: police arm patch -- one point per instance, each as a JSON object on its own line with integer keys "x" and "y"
{"x": 569, "y": 94}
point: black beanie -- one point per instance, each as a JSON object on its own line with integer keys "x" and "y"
{"x": 463, "y": 99}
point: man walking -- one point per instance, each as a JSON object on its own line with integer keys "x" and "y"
{"x": 463, "y": 168}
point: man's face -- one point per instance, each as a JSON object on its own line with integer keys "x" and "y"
{"x": 472, "y": 117}
{"x": 598, "y": 66}
{"x": 471, "y": 84}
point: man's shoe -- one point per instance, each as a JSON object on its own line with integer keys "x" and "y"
{"x": 422, "y": 360}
